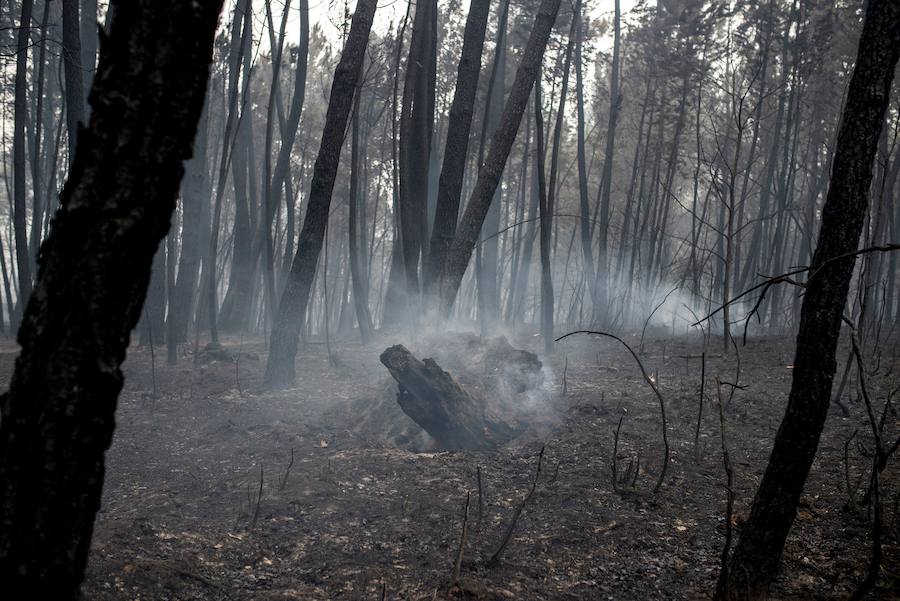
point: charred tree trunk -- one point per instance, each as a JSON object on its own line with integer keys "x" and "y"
{"x": 416, "y": 125}
{"x": 602, "y": 284}
{"x": 357, "y": 233}
{"x": 290, "y": 318}
{"x": 456, "y": 149}
{"x": 457, "y": 261}
{"x": 487, "y": 251}
{"x": 58, "y": 416}
{"x": 756, "y": 557}
{"x": 195, "y": 220}
{"x": 71, "y": 27}
{"x": 20, "y": 117}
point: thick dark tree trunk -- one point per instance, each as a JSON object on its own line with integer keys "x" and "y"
{"x": 460, "y": 252}
{"x": 58, "y": 416}
{"x": 290, "y": 318}
{"x": 458, "y": 129}
{"x": 416, "y": 125}
{"x": 756, "y": 557}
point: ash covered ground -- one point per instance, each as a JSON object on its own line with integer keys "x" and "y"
{"x": 218, "y": 489}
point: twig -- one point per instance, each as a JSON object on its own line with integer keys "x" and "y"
{"x": 258, "y": 497}
{"x": 495, "y": 558}
{"x": 480, "y": 498}
{"x": 722, "y": 586}
{"x": 287, "y": 471}
{"x": 700, "y": 410}
{"x": 652, "y": 313}
{"x": 786, "y": 277}
{"x": 879, "y": 462}
{"x": 653, "y": 386}
{"x": 237, "y": 364}
{"x": 565, "y": 390}
{"x": 462, "y": 541}
{"x": 851, "y": 492}
{"x": 152, "y": 352}
{"x": 614, "y": 463}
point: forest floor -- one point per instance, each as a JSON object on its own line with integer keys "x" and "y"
{"x": 202, "y": 498}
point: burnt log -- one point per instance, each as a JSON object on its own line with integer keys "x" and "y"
{"x": 432, "y": 398}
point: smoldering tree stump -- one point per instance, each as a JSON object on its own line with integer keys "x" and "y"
{"x": 431, "y": 397}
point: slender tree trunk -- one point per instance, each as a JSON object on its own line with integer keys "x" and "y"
{"x": 89, "y": 38}
{"x": 20, "y": 118}
{"x": 545, "y": 225}
{"x": 290, "y": 318}
{"x": 357, "y": 233}
{"x": 615, "y": 102}
{"x": 486, "y": 255}
{"x": 587, "y": 250}
{"x": 195, "y": 219}
{"x": 74, "y": 73}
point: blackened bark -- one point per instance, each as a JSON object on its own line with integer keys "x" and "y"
{"x": 543, "y": 214}
{"x": 600, "y": 287}
{"x": 71, "y": 26}
{"x": 431, "y": 397}
{"x": 195, "y": 225}
{"x": 152, "y": 320}
{"x": 89, "y": 39}
{"x": 20, "y": 117}
{"x": 291, "y": 313}
{"x": 756, "y": 557}
{"x": 585, "y": 228}
{"x": 456, "y": 149}
{"x": 416, "y": 123}
{"x": 58, "y": 416}
{"x": 357, "y": 232}
{"x": 487, "y": 251}
{"x": 457, "y": 260}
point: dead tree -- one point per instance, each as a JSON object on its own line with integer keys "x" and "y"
{"x": 20, "y": 118}
{"x": 74, "y": 73}
{"x": 457, "y": 260}
{"x": 290, "y": 317}
{"x": 460, "y": 124}
{"x": 758, "y": 551}
{"x": 58, "y": 416}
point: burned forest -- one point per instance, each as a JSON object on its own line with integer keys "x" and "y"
{"x": 441, "y": 299}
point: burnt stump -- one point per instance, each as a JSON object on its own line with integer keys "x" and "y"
{"x": 431, "y": 397}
